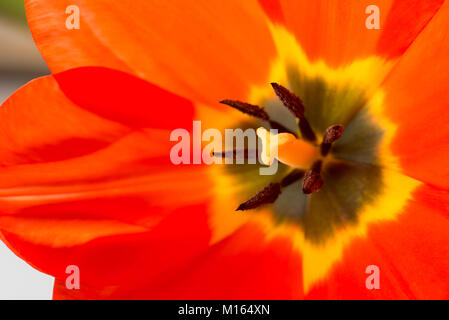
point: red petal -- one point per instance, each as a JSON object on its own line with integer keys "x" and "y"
{"x": 39, "y": 123}
{"x": 244, "y": 266}
{"x": 404, "y": 23}
{"x": 125, "y": 204}
{"x": 273, "y": 9}
{"x": 412, "y": 254}
{"x": 115, "y": 265}
{"x": 123, "y": 98}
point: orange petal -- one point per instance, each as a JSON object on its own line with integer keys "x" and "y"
{"x": 122, "y": 195}
{"x": 416, "y": 99}
{"x": 120, "y": 263}
{"x": 112, "y": 212}
{"x": 412, "y": 254}
{"x": 206, "y": 51}
{"x": 138, "y": 165}
{"x": 47, "y": 231}
{"x": 39, "y": 123}
{"x": 335, "y": 31}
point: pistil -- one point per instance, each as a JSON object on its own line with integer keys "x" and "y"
{"x": 286, "y": 148}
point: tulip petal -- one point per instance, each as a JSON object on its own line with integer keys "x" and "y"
{"x": 243, "y": 266}
{"x": 416, "y": 100}
{"x": 119, "y": 263}
{"x": 335, "y": 30}
{"x": 206, "y": 51}
{"x": 113, "y": 212}
{"x": 39, "y": 124}
{"x": 126, "y": 99}
{"x": 137, "y": 165}
{"x": 273, "y": 9}
{"x": 125, "y": 194}
{"x": 412, "y": 255}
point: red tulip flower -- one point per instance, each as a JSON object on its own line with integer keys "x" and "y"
{"x": 86, "y": 177}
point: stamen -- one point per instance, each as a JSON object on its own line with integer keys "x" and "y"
{"x": 290, "y": 100}
{"x": 332, "y": 134}
{"x": 292, "y": 177}
{"x": 313, "y": 181}
{"x": 296, "y": 107}
{"x": 306, "y": 130}
{"x": 268, "y": 195}
{"x": 256, "y": 112}
{"x": 247, "y": 108}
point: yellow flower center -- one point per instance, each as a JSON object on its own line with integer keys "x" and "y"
{"x": 362, "y": 185}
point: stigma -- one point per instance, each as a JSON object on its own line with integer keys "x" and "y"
{"x": 287, "y": 149}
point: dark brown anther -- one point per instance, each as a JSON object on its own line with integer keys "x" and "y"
{"x": 313, "y": 181}
{"x": 296, "y": 107}
{"x": 266, "y": 196}
{"x": 332, "y": 134}
{"x": 292, "y": 177}
{"x": 290, "y": 100}
{"x": 247, "y": 108}
{"x": 256, "y": 112}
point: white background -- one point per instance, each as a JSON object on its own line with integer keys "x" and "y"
{"x": 20, "y": 281}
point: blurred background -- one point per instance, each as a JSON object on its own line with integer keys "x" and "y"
{"x": 20, "y": 62}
